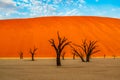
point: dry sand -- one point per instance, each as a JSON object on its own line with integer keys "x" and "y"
{"x": 46, "y": 69}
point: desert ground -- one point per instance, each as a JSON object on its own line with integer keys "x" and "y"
{"x": 46, "y": 69}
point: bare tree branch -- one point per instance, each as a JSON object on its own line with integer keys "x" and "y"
{"x": 87, "y": 48}
{"x": 63, "y": 46}
{"x": 78, "y": 53}
{"x": 21, "y": 54}
{"x": 63, "y": 55}
{"x": 53, "y": 44}
{"x": 32, "y": 52}
{"x": 62, "y": 42}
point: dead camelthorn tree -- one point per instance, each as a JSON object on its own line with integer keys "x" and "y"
{"x": 104, "y": 56}
{"x": 21, "y": 54}
{"x": 62, "y": 43}
{"x": 63, "y": 55}
{"x": 87, "y": 49}
{"x": 114, "y": 56}
{"x": 78, "y": 53}
{"x": 32, "y": 52}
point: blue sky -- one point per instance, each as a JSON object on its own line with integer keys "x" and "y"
{"x": 38, "y": 8}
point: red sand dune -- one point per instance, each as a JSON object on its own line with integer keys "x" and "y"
{"x": 23, "y": 34}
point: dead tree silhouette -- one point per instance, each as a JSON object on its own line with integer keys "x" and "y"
{"x": 77, "y": 52}
{"x": 114, "y": 56}
{"x": 63, "y": 55}
{"x": 62, "y": 43}
{"x": 32, "y": 52}
{"x": 104, "y": 56}
{"x": 73, "y": 53}
{"x": 21, "y": 54}
{"x": 87, "y": 49}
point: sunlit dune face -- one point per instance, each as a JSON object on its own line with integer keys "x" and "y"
{"x": 21, "y": 35}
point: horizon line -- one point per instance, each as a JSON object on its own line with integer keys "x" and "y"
{"x": 58, "y": 16}
{"x": 51, "y": 57}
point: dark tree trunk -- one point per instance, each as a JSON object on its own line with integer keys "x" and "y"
{"x": 114, "y": 57}
{"x": 73, "y": 57}
{"x": 87, "y": 58}
{"x": 21, "y": 56}
{"x": 62, "y": 43}
{"x": 58, "y": 60}
{"x": 104, "y": 56}
{"x": 32, "y": 57}
{"x": 63, "y": 58}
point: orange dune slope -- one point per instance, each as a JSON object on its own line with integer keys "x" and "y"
{"x": 22, "y": 34}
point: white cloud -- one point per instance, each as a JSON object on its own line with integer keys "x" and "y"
{"x": 7, "y": 4}
{"x": 72, "y": 12}
{"x": 7, "y": 8}
{"x": 8, "y": 1}
{"x": 36, "y": 8}
{"x": 1, "y": 17}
